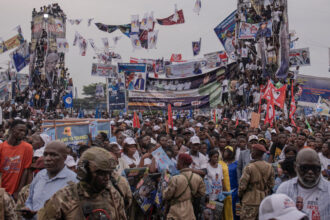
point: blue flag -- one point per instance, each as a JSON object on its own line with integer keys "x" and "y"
{"x": 67, "y": 99}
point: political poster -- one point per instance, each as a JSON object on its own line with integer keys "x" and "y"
{"x": 176, "y": 18}
{"x": 300, "y": 57}
{"x": 62, "y": 45}
{"x": 313, "y": 88}
{"x": 73, "y": 133}
{"x": 22, "y": 81}
{"x": 104, "y": 70}
{"x": 225, "y": 31}
{"x": 20, "y": 57}
{"x": 11, "y": 43}
{"x": 206, "y": 96}
{"x": 37, "y": 26}
{"x": 255, "y": 120}
{"x": 216, "y": 59}
{"x": 187, "y": 83}
{"x": 196, "y": 46}
{"x": 135, "y": 76}
{"x": 250, "y": 31}
{"x": 145, "y": 193}
{"x": 163, "y": 161}
{"x": 55, "y": 27}
{"x": 116, "y": 91}
{"x": 183, "y": 69}
{"x": 135, "y": 25}
{"x": 104, "y": 126}
{"x": 152, "y": 39}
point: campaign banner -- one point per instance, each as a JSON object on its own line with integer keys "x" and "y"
{"x": 11, "y": 43}
{"x": 62, "y": 45}
{"x": 37, "y": 26}
{"x": 20, "y": 57}
{"x": 216, "y": 59}
{"x": 183, "y": 69}
{"x": 179, "y": 84}
{"x": 313, "y": 88}
{"x": 153, "y": 66}
{"x": 135, "y": 75}
{"x": 206, "y": 96}
{"x": 251, "y": 31}
{"x": 225, "y": 31}
{"x": 300, "y": 57}
{"x": 55, "y": 27}
{"x": 163, "y": 161}
{"x": 22, "y": 80}
{"x": 104, "y": 127}
{"x": 116, "y": 91}
{"x": 104, "y": 70}
{"x": 73, "y": 133}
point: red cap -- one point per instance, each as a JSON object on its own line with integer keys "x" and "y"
{"x": 185, "y": 158}
{"x": 259, "y": 147}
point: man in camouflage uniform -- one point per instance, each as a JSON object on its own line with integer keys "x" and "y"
{"x": 181, "y": 189}
{"x": 94, "y": 197}
{"x": 7, "y": 206}
{"x": 255, "y": 184}
{"x": 21, "y": 199}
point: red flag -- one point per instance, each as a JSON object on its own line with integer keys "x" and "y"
{"x": 270, "y": 115}
{"x": 236, "y": 124}
{"x": 154, "y": 67}
{"x": 136, "y": 121}
{"x": 178, "y": 19}
{"x": 223, "y": 56}
{"x": 134, "y": 60}
{"x": 214, "y": 116}
{"x": 279, "y": 96}
{"x": 176, "y": 57}
{"x": 292, "y": 107}
{"x": 170, "y": 116}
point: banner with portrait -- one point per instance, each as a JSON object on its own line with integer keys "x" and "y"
{"x": 20, "y": 57}
{"x": 187, "y": 83}
{"x": 55, "y": 27}
{"x": 116, "y": 91}
{"x": 22, "y": 81}
{"x": 183, "y": 69}
{"x": 73, "y": 133}
{"x": 206, "y": 96}
{"x": 11, "y": 43}
{"x": 104, "y": 70}
{"x": 250, "y": 31}
{"x": 135, "y": 75}
{"x": 313, "y": 88}
{"x": 300, "y": 57}
{"x": 216, "y": 59}
{"x": 225, "y": 31}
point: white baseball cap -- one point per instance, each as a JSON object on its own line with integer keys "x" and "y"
{"x": 253, "y": 137}
{"x": 195, "y": 140}
{"x": 70, "y": 162}
{"x": 279, "y": 207}
{"x": 129, "y": 141}
{"x": 199, "y": 125}
{"x": 156, "y": 128}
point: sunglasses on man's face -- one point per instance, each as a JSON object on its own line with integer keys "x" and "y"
{"x": 306, "y": 168}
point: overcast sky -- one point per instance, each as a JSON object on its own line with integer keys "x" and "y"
{"x": 310, "y": 20}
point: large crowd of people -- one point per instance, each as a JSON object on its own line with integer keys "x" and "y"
{"x": 223, "y": 170}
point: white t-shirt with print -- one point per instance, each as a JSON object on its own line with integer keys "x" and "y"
{"x": 310, "y": 199}
{"x": 215, "y": 177}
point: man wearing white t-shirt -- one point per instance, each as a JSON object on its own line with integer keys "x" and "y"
{"x": 225, "y": 91}
{"x": 325, "y": 158}
{"x": 199, "y": 160}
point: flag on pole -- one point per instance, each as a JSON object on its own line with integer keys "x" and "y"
{"x": 198, "y": 6}
{"x": 67, "y": 99}
{"x": 292, "y": 107}
{"x": 170, "y": 116}
{"x": 136, "y": 121}
{"x": 196, "y": 46}
{"x": 270, "y": 112}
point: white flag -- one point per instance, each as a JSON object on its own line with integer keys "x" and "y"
{"x": 116, "y": 39}
{"x": 144, "y": 22}
{"x": 105, "y": 42}
{"x": 176, "y": 16}
{"x": 82, "y": 46}
{"x": 135, "y": 26}
{"x": 76, "y": 38}
{"x": 62, "y": 45}
{"x": 198, "y": 5}
{"x": 136, "y": 43}
{"x": 150, "y": 22}
{"x": 71, "y": 21}
{"x": 90, "y": 21}
{"x": 152, "y": 39}
{"x": 92, "y": 43}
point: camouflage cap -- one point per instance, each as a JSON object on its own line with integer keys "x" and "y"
{"x": 99, "y": 159}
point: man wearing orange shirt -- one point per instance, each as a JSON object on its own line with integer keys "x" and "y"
{"x": 15, "y": 158}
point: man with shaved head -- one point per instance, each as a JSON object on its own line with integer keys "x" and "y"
{"x": 309, "y": 189}
{"x": 48, "y": 181}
